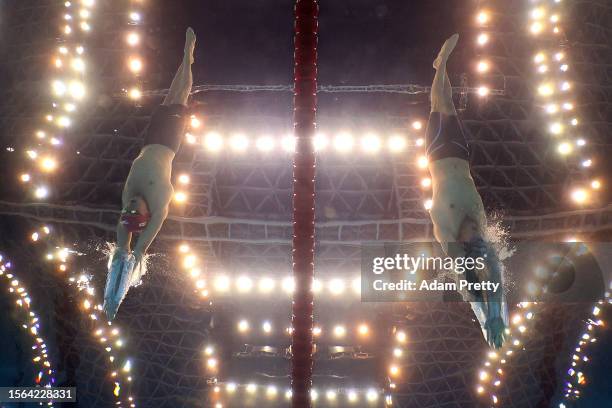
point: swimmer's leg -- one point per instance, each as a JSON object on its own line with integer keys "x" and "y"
{"x": 183, "y": 80}
{"x": 441, "y": 90}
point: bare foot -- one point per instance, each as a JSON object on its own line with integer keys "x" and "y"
{"x": 446, "y": 51}
{"x": 190, "y": 40}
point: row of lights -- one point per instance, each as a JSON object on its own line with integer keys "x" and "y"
{"x": 483, "y": 38}
{"x": 342, "y": 142}
{"x": 225, "y": 285}
{"x": 400, "y": 339}
{"x": 68, "y": 88}
{"x": 555, "y": 92}
{"x": 576, "y": 375}
{"x": 370, "y": 395}
{"x": 339, "y": 331}
{"x": 105, "y": 332}
{"x": 31, "y": 323}
{"x": 133, "y": 39}
{"x": 490, "y": 375}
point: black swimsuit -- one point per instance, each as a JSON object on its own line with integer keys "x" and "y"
{"x": 445, "y": 138}
{"x": 167, "y": 127}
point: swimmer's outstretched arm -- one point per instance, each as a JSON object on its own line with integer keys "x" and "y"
{"x": 183, "y": 80}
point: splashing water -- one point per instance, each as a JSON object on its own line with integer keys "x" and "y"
{"x": 109, "y": 248}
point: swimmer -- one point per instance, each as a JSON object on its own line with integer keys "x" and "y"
{"x": 457, "y": 213}
{"x": 148, "y": 189}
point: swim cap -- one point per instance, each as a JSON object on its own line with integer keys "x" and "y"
{"x": 134, "y": 221}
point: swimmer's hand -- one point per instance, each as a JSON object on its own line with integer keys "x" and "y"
{"x": 495, "y": 328}
{"x": 118, "y": 280}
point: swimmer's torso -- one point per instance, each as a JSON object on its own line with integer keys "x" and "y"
{"x": 150, "y": 176}
{"x": 454, "y": 198}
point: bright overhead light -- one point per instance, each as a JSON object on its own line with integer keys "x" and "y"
{"x": 580, "y": 195}
{"x": 343, "y": 142}
{"x": 320, "y": 142}
{"x": 397, "y": 143}
{"x": 239, "y": 142}
{"x": 135, "y": 64}
{"x": 483, "y": 17}
{"x": 266, "y": 327}
{"x": 564, "y": 148}
{"x": 370, "y": 143}
{"x": 422, "y": 162}
{"x": 288, "y": 143}
{"x": 243, "y": 326}
{"x": 244, "y": 284}
{"x": 132, "y": 39}
{"x": 265, "y": 144}
{"x": 266, "y": 285}
{"x": 483, "y": 66}
{"x": 339, "y": 331}
{"x": 331, "y": 395}
{"x": 213, "y": 141}
{"x": 336, "y": 286}
{"x": 288, "y": 284}
{"x": 221, "y": 283}
{"x": 483, "y": 91}
{"x": 135, "y": 93}
{"x": 482, "y": 39}
{"x": 184, "y": 179}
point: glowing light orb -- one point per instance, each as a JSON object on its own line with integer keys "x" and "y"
{"x": 41, "y": 192}
{"x": 213, "y": 141}
{"x": 135, "y": 64}
{"x": 397, "y": 143}
{"x": 370, "y": 143}
{"x": 180, "y": 197}
{"x": 184, "y": 179}
{"x": 266, "y": 285}
{"x": 239, "y": 142}
{"x": 331, "y": 395}
{"x": 48, "y": 164}
{"x": 482, "y": 39}
{"x": 132, "y": 39}
{"x": 244, "y": 284}
{"x": 243, "y": 326}
{"x": 343, "y": 142}
{"x": 483, "y": 66}
{"x": 135, "y": 93}
{"x": 422, "y": 162}
{"x": 336, "y": 286}
{"x": 266, "y": 327}
{"x": 339, "y": 331}
{"x": 363, "y": 329}
{"x": 265, "y": 144}
{"x": 320, "y": 142}
{"x": 564, "y": 148}
{"x": 288, "y": 143}
{"x": 483, "y": 91}
{"x": 483, "y": 17}
{"x": 580, "y": 195}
